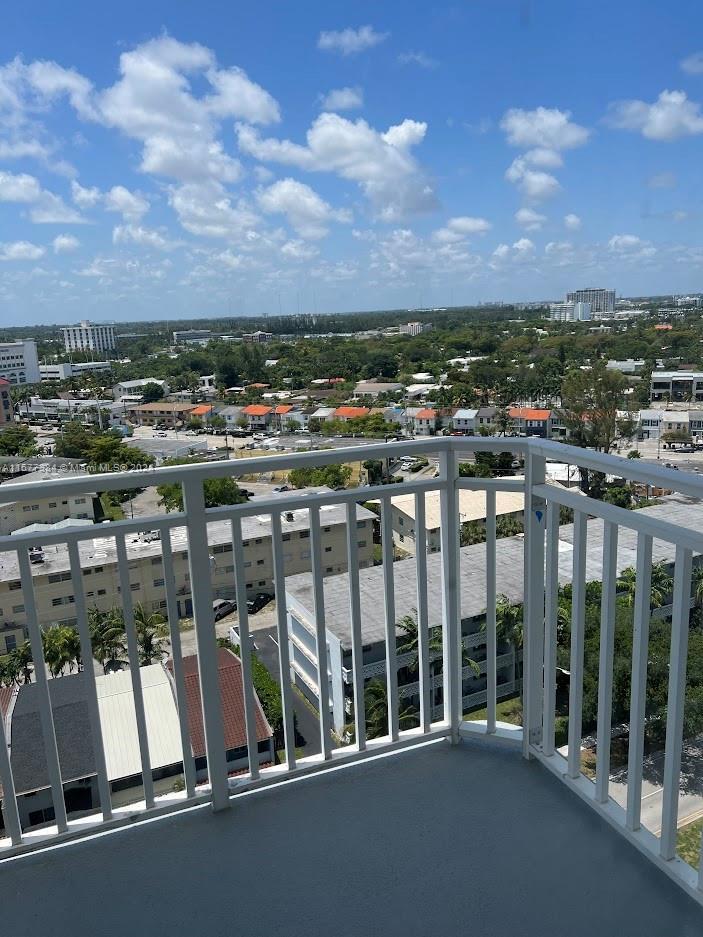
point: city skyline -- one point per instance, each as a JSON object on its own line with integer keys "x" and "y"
{"x": 419, "y": 158}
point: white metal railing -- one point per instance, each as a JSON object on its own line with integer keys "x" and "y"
{"x": 540, "y": 598}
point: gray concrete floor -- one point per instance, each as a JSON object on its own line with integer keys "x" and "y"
{"x": 436, "y": 841}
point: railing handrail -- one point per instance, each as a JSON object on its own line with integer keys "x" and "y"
{"x": 632, "y": 469}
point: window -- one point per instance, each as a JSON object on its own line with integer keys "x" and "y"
{"x": 304, "y": 534}
{"x": 360, "y": 525}
{"x": 328, "y": 549}
{"x": 329, "y": 569}
{"x": 361, "y": 543}
{"x": 262, "y": 582}
{"x": 285, "y": 537}
{"x": 79, "y": 501}
{"x": 158, "y": 582}
{"x": 52, "y": 504}
{"x": 155, "y": 560}
{"x": 17, "y": 609}
{"x": 15, "y": 585}
{"x": 259, "y": 562}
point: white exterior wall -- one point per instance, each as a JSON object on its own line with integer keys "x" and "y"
{"x": 88, "y": 337}
{"x": 19, "y": 363}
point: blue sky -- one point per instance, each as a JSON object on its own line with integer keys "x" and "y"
{"x": 162, "y": 160}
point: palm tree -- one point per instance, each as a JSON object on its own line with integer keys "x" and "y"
{"x": 61, "y": 649}
{"x": 627, "y": 584}
{"x": 106, "y": 635}
{"x": 20, "y": 663}
{"x": 376, "y": 707}
{"x": 509, "y": 627}
{"x": 409, "y": 642}
{"x": 152, "y": 635}
{"x": 662, "y": 584}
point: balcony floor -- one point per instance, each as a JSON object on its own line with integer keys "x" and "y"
{"x": 436, "y": 840}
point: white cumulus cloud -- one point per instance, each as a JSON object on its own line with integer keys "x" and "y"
{"x": 534, "y": 184}
{"x": 130, "y": 205}
{"x": 693, "y": 64}
{"x": 572, "y": 222}
{"x": 544, "y": 127}
{"x": 456, "y": 229}
{"x": 21, "y": 250}
{"x": 343, "y": 99}
{"x": 350, "y": 41}
{"x": 65, "y": 244}
{"x": 305, "y": 210}
{"x": 530, "y": 219}
{"x": 143, "y": 237}
{"x": 668, "y": 118}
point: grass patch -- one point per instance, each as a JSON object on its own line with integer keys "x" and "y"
{"x": 688, "y": 842}
{"x": 111, "y": 511}
{"x": 507, "y": 710}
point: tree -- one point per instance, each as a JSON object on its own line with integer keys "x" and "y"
{"x": 152, "y": 392}
{"x": 619, "y": 495}
{"x": 107, "y": 636}
{"x": 409, "y": 641}
{"x": 376, "y": 711}
{"x": 18, "y": 440}
{"x": 152, "y": 635}
{"x": 62, "y": 648}
{"x": 590, "y": 401}
{"x": 217, "y": 491}
{"x": 333, "y": 476}
{"x": 217, "y": 422}
{"x": 20, "y": 662}
{"x": 662, "y": 584}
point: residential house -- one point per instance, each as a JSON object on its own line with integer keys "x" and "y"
{"x": 530, "y": 421}
{"x": 464, "y": 421}
{"x": 350, "y": 413}
{"x": 232, "y": 416}
{"x": 160, "y": 413}
{"x": 650, "y": 422}
{"x": 425, "y": 422}
{"x": 258, "y": 416}
{"x": 675, "y": 421}
{"x": 486, "y": 417}
{"x": 136, "y": 387}
{"x": 376, "y": 388}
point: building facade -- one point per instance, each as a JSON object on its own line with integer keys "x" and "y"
{"x": 19, "y": 363}
{"x": 676, "y": 386}
{"x": 161, "y": 413}
{"x": 63, "y": 370}
{"x": 14, "y": 515}
{"x": 415, "y": 328}
{"x": 88, "y": 337}
{"x": 6, "y": 409}
{"x": 601, "y": 301}
{"x": 570, "y": 312}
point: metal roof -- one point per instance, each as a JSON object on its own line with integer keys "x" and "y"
{"x": 118, "y": 721}
{"x": 676, "y": 509}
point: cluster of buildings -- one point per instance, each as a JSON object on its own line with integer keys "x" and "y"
{"x": 583, "y": 305}
{"x": 20, "y": 711}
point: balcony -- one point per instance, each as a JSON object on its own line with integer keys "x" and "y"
{"x": 449, "y": 823}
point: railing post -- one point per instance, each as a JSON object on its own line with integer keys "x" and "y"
{"x": 205, "y": 637}
{"x": 533, "y": 607}
{"x": 451, "y": 608}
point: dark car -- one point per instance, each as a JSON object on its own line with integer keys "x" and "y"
{"x": 258, "y": 602}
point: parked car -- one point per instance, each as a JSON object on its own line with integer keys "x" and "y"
{"x": 260, "y": 600}
{"x": 281, "y": 488}
{"x": 222, "y": 607}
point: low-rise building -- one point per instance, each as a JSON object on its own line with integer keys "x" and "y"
{"x": 14, "y": 515}
{"x": 677, "y": 386}
{"x": 464, "y": 420}
{"x": 530, "y": 421}
{"x": 349, "y": 413}
{"x": 258, "y": 337}
{"x": 649, "y": 424}
{"x": 6, "y": 408}
{"x": 130, "y": 388}
{"x": 258, "y": 416}
{"x": 192, "y": 336}
{"x": 415, "y": 328}
{"x": 376, "y": 388}
{"x": 425, "y": 422}
{"x": 66, "y": 369}
{"x": 53, "y": 585}
{"x": 162, "y": 412}
{"x": 486, "y": 417}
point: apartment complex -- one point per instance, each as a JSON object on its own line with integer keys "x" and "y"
{"x": 15, "y": 515}
{"x": 258, "y": 337}
{"x": 66, "y": 369}
{"x": 570, "y": 312}
{"x": 472, "y": 509}
{"x": 676, "y": 386}
{"x": 19, "y": 363}
{"x": 6, "y": 410}
{"x": 415, "y": 328}
{"x": 88, "y": 337}
{"x": 54, "y": 587}
{"x": 192, "y": 336}
{"x": 602, "y": 302}
{"x": 161, "y": 413}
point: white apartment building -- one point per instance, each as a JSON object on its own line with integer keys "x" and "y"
{"x": 472, "y": 507}
{"x": 601, "y": 301}
{"x": 19, "y": 363}
{"x": 54, "y": 590}
{"x": 415, "y": 328}
{"x": 88, "y": 337}
{"x": 14, "y": 515}
{"x": 258, "y": 337}
{"x": 570, "y": 312}
{"x": 66, "y": 369}
{"x": 6, "y": 410}
{"x": 135, "y": 387}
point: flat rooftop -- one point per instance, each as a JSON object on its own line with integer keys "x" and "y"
{"x": 676, "y": 509}
{"x": 435, "y": 840}
{"x": 472, "y": 505}
{"x": 101, "y": 550}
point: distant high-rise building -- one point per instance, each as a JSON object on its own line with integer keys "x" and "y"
{"x": 88, "y": 337}
{"x": 602, "y": 301}
{"x": 570, "y": 312}
{"x": 19, "y": 363}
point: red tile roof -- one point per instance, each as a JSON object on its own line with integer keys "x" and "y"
{"x": 283, "y": 408}
{"x": 232, "y": 700}
{"x": 256, "y": 409}
{"x": 201, "y": 410}
{"x": 258, "y": 384}
{"x": 427, "y": 414}
{"x": 528, "y": 413}
{"x": 350, "y": 413}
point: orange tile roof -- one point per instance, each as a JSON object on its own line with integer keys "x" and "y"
{"x": 201, "y": 410}
{"x": 427, "y": 414}
{"x": 283, "y": 408}
{"x": 256, "y": 409}
{"x": 351, "y": 412}
{"x": 258, "y": 385}
{"x": 528, "y": 413}
{"x": 663, "y": 328}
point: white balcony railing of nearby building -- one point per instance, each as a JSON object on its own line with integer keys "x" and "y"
{"x": 541, "y": 584}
